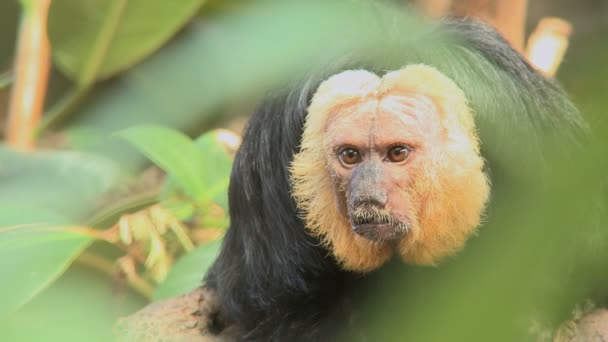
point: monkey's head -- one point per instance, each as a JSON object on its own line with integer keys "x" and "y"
{"x": 390, "y": 164}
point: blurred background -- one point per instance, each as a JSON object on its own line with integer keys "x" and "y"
{"x": 119, "y": 120}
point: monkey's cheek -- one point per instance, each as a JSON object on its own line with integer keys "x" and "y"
{"x": 428, "y": 248}
{"x": 362, "y": 255}
{"x": 416, "y": 253}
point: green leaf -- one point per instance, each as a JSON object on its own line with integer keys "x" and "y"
{"x": 217, "y": 163}
{"x": 82, "y": 305}
{"x": 174, "y": 152}
{"x": 68, "y": 183}
{"x": 218, "y": 166}
{"x": 187, "y": 273}
{"x": 32, "y": 256}
{"x": 95, "y": 39}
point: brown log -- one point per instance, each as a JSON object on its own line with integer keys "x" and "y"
{"x": 593, "y": 327}
{"x": 183, "y": 318}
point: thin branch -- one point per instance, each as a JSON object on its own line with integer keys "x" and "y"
{"x": 105, "y": 235}
{"x": 31, "y": 76}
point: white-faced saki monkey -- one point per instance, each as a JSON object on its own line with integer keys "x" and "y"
{"x": 367, "y": 160}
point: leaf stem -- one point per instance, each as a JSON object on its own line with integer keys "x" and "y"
{"x": 102, "y": 43}
{"x": 31, "y": 75}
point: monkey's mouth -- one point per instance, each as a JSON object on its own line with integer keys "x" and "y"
{"x": 378, "y": 228}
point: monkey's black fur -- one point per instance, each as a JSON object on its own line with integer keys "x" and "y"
{"x": 277, "y": 283}
{"x": 270, "y": 270}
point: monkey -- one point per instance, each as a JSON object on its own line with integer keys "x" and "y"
{"x": 362, "y": 161}
{"x": 402, "y": 157}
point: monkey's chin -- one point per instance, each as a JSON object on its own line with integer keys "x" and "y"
{"x": 379, "y": 232}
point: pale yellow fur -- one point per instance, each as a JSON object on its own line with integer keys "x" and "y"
{"x": 451, "y": 190}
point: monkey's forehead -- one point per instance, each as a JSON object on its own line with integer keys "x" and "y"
{"x": 403, "y": 107}
{"x": 394, "y": 116}
{"x": 419, "y": 81}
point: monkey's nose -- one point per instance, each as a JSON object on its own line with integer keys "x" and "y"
{"x": 377, "y": 199}
{"x": 366, "y": 186}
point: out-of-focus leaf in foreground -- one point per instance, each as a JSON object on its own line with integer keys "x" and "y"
{"x": 97, "y": 38}
{"x": 9, "y": 17}
{"x": 81, "y": 306}
{"x": 187, "y": 273}
{"x": 68, "y": 183}
{"x": 32, "y": 257}
{"x": 222, "y": 58}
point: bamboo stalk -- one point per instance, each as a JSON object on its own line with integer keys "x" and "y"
{"x": 30, "y": 76}
{"x": 548, "y": 43}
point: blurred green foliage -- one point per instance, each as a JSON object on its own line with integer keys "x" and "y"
{"x": 9, "y": 14}
{"x": 31, "y": 257}
{"x": 185, "y": 275}
{"x": 112, "y": 35}
{"x": 82, "y": 305}
{"x": 65, "y": 182}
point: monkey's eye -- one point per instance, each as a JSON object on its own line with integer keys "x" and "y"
{"x": 350, "y": 156}
{"x": 398, "y": 154}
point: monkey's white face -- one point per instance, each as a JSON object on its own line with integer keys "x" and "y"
{"x": 375, "y": 150}
{"x": 388, "y": 165}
